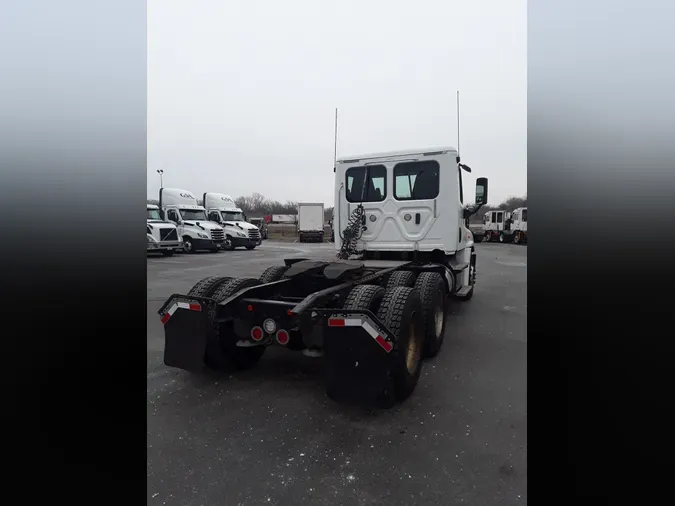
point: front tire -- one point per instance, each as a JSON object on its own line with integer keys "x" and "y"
{"x": 228, "y": 245}
{"x": 168, "y": 253}
{"x": 516, "y": 238}
{"x": 249, "y": 247}
{"x": 188, "y": 247}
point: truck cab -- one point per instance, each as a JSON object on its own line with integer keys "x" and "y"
{"x": 222, "y": 210}
{"x": 162, "y": 235}
{"x": 495, "y": 225}
{"x": 517, "y": 224}
{"x": 197, "y": 232}
{"x": 262, "y": 226}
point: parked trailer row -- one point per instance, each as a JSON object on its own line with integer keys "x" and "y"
{"x": 376, "y": 311}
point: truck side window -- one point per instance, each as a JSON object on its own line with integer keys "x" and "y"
{"x": 524, "y": 215}
{"x": 416, "y": 180}
{"x": 173, "y": 215}
{"x": 500, "y": 217}
{"x": 214, "y": 216}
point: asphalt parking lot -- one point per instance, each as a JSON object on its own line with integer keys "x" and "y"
{"x": 270, "y": 435}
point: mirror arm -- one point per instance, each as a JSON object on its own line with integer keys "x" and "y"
{"x": 469, "y": 212}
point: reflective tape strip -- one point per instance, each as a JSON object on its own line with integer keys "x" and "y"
{"x": 366, "y": 325}
{"x": 190, "y": 306}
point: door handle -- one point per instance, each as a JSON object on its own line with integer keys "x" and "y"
{"x": 417, "y": 218}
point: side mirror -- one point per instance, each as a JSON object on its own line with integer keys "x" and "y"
{"x": 481, "y": 191}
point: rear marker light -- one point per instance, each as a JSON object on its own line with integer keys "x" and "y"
{"x": 256, "y": 333}
{"x": 270, "y": 326}
{"x": 250, "y": 308}
{"x": 283, "y": 337}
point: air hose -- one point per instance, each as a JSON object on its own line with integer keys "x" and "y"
{"x": 351, "y": 234}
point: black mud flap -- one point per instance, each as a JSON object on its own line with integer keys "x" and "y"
{"x": 358, "y": 357}
{"x": 186, "y": 326}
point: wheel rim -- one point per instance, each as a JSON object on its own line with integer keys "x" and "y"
{"x": 228, "y": 243}
{"x": 413, "y": 353}
{"x": 187, "y": 246}
{"x": 438, "y": 318}
{"x": 516, "y": 239}
{"x": 501, "y": 238}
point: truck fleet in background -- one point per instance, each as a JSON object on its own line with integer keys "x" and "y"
{"x": 504, "y": 226}
{"x": 181, "y": 224}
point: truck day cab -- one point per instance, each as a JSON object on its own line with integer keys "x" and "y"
{"x": 162, "y": 235}
{"x": 238, "y": 232}
{"x": 376, "y": 311}
{"x": 197, "y": 232}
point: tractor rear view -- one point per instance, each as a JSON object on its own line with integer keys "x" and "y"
{"x": 375, "y": 312}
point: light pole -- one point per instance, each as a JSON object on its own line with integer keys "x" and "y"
{"x": 161, "y": 177}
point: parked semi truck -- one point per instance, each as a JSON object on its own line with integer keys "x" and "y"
{"x": 494, "y": 225}
{"x": 373, "y": 313}
{"x": 310, "y": 222}
{"x": 504, "y": 226}
{"x": 162, "y": 235}
{"x": 262, "y": 226}
{"x": 194, "y": 228}
{"x": 238, "y": 232}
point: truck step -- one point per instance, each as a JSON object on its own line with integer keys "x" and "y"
{"x": 459, "y": 267}
{"x": 464, "y": 291}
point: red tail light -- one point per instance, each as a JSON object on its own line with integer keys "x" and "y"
{"x": 256, "y": 333}
{"x": 283, "y": 337}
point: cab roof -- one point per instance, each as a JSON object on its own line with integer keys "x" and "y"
{"x": 397, "y": 154}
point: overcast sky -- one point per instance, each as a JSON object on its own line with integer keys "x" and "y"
{"x": 242, "y": 94}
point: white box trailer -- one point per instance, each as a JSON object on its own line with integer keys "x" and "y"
{"x": 310, "y": 222}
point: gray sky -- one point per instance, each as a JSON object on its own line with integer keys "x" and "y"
{"x": 242, "y": 94}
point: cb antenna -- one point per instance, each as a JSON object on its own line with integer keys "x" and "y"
{"x": 335, "y": 149}
{"x": 458, "y": 126}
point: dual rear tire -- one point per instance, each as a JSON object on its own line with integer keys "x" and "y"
{"x": 413, "y": 309}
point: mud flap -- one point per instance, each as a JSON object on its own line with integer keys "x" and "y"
{"x": 186, "y": 326}
{"x": 358, "y": 359}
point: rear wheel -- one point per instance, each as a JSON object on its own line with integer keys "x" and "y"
{"x": 400, "y": 278}
{"x": 222, "y": 352}
{"x": 516, "y": 238}
{"x": 364, "y": 298}
{"x": 431, "y": 288}
{"x": 402, "y": 313}
{"x": 274, "y": 273}
{"x": 207, "y": 286}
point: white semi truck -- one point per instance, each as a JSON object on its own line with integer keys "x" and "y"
{"x": 194, "y": 228}
{"x": 162, "y": 235}
{"x": 504, "y": 226}
{"x": 222, "y": 209}
{"x": 310, "y": 222}
{"x": 376, "y": 311}
{"x": 494, "y": 225}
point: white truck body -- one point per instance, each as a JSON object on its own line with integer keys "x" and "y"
{"x": 162, "y": 235}
{"x": 222, "y": 209}
{"x": 310, "y": 222}
{"x": 198, "y": 233}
